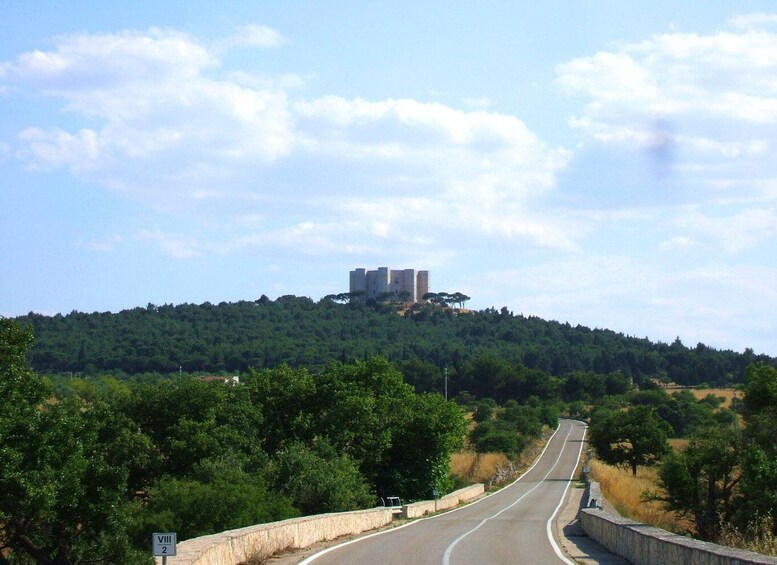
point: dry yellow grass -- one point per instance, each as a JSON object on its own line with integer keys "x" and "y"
{"x": 727, "y": 393}
{"x": 495, "y": 469}
{"x": 624, "y": 491}
{"x": 678, "y": 443}
{"x": 477, "y": 467}
{"x": 759, "y": 536}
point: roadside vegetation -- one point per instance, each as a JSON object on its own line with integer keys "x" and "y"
{"x": 113, "y": 426}
{"x": 90, "y": 477}
{"x": 621, "y": 488}
{"x": 719, "y": 484}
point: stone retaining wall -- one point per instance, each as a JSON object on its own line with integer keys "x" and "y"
{"x": 642, "y": 544}
{"x": 458, "y": 496}
{"x": 235, "y": 546}
{"x": 418, "y": 509}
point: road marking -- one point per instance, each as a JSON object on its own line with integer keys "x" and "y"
{"x": 447, "y": 556}
{"x": 548, "y": 524}
{"x": 315, "y": 556}
{"x": 328, "y": 549}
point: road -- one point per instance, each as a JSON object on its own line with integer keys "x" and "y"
{"x": 509, "y": 526}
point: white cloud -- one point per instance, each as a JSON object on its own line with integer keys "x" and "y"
{"x": 105, "y": 244}
{"x": 166, "y": 124}
{"x": 154, "y": 98}
{"x": 733, "y": 233}
{"x": 700, "y": 106}
{"x": 479, "y": 159}
{"x": 86, "y": 62}
{"x": 177, "y": 247}
{"x": 168, "y": 127}
{"x": 254, "y": 35}
{"x": 678, "y": 243}
{"x": 729, "y": 76}
{"x": 55, "y": 148}
{"x": 754, "y": 20}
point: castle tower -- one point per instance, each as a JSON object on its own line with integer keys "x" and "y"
{"x": 384, "y": 280}
{"x": 422, "y": 285}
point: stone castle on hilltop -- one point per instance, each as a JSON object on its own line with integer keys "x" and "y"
{"x": 407, "y": 285}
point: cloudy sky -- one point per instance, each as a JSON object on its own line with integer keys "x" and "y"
{"x": 607, "y": 163}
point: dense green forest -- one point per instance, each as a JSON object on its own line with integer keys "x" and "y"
{"x": 233, "y": 337}
{"x": 87, "y": 478}
{"x": 107, "y": 435}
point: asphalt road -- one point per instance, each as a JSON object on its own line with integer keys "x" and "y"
{"x": 512, "y": 526}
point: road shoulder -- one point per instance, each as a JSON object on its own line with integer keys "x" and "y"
{"x": 574, "y": 541}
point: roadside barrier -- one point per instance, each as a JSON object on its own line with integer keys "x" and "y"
{"x": 263, "y": 540}
{"x": 641, "y": 544}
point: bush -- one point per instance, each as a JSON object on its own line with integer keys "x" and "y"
{"x": 318, "y": 480}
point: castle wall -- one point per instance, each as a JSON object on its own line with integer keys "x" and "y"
{"x": 384, "y": 280}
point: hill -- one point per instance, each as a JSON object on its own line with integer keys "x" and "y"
{"x": 231, "y": 337}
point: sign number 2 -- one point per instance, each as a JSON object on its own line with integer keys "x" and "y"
{"x": 163, "y": 544}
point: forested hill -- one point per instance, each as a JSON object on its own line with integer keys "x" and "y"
{"x": 231, "y": 337}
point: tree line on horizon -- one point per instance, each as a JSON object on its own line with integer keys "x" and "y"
{"x": 425, "y": 340}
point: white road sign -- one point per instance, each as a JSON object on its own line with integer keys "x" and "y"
{"x": 163, "y": 544}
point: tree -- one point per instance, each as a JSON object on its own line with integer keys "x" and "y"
{"x": 759, "y": 461}
{"x": 401, "y": 441}
{"x": 61, "y": 500}
{"x": 426, "y": 429}
{"x": 404, "y": 296}
{"x": 632, "y": 438}
{"x": 484, "y": 410}
{"x": 700, "y": 481}
{"x": 318, "y": 480}
{"x": 497, "y": 436}
{"x": 209, "y": 502}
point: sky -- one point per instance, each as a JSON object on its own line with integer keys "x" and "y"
{"x": 604, "y": 163}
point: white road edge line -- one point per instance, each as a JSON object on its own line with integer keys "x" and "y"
{"x": 447, "y": 556}
{"x": 549, "y": 523}
{"x": 310, "y": 559}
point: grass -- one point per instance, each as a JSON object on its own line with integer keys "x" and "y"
{"x": 728, "y": 394}
{"x": 759, "y": 536}
{"x": 624, "y": 491}
{"x": 474, "y": 467}
{"x": 678, "y": 443}
{"x": 494, "y": 469}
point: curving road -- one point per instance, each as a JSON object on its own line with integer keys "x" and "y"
{"x": 510, "y": 526}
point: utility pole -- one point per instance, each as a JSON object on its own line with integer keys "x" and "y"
{"x": 446, "y": 382}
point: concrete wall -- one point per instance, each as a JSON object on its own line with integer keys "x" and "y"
{"x": 235, "y": 546}
{"x": 458, "y": 496}
{"x": 642, "y": 544}
{"x": 418, "y": 509}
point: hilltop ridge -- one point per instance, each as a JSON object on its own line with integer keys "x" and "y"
{"x": 231, "y": 337}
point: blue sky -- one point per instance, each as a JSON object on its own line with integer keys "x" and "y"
{"x": 610, "y": 164}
